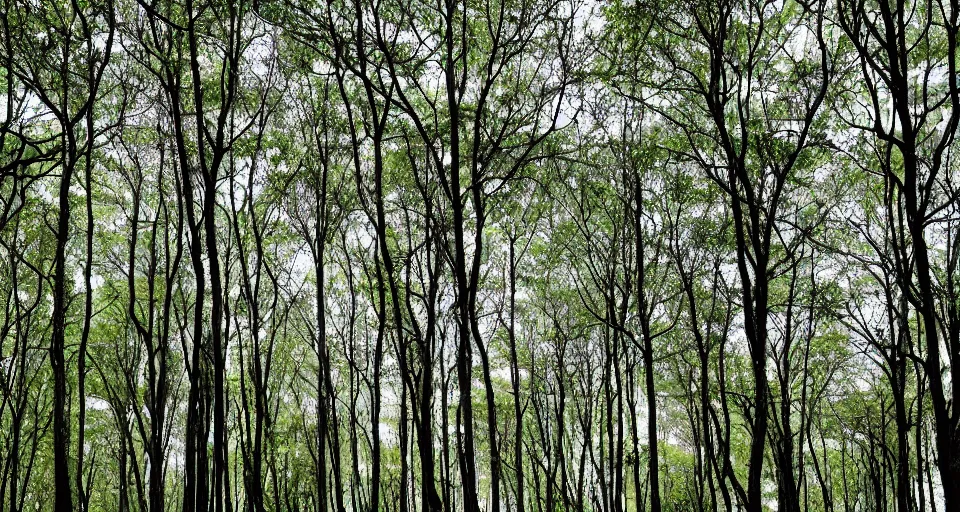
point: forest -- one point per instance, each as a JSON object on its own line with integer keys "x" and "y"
{"x": 479, "y": 255}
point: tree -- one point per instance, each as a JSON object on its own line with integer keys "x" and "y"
{"x": 531, "y": 255}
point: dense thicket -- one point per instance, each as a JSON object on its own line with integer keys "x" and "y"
{"x": 445, "y": 255}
